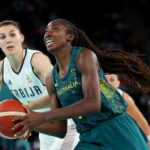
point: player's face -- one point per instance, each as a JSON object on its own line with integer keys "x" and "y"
{"x": 55, "y": 36}
{"x": 10, "y": 39}
{"x": 113, "y": 80}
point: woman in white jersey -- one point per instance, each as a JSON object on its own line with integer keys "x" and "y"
{"x": 24, "y": 72}
{"x": 132, "y": 109}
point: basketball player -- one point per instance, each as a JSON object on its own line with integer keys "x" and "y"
{"x": 132, "y": 109}
{"x": 24, "y": 71}
{"x": 78, "y": 89}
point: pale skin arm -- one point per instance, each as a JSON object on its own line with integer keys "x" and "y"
{"x": 42, "y": 66}
{"x": 135, "y": 113}
{"x": 57, "y": 128}
{"x": 44, "y": 102}
{"x": 90, "y": 104}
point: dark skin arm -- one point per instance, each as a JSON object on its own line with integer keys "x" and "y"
{"x": 88, "y": 64}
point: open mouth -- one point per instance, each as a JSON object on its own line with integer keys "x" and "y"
{"x": 49, "y": 42}
{"x": 10, "y": 47}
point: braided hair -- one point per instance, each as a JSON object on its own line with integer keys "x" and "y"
{"x": 115, "y": 61}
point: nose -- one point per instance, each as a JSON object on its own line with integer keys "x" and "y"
{"x": 8, "y": 39}
{"x": 47, "y": 34}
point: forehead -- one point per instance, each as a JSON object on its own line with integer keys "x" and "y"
{"x": 56, "y": 23}
{"x": 111, "y": 76}
{"x": 8, "y": 28}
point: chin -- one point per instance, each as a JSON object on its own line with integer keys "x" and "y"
{"x": 50, "y": 49}
{"x": 11, "y": 53}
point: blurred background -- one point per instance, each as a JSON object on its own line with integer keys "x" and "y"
{"x": 110, "y": 24}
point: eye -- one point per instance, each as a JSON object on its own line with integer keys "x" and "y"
{"x": 55, "y": 28}
{"x": 12, "y": 34}
{"x": 111, "y": 80}
{"x": 2, "y": 37}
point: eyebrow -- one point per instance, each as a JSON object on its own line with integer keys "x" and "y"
{"x": 52, "y": 26}
{"x": 9, "y": 32}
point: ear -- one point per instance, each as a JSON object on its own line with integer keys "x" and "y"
{"x": 70, "y": 37}
{"x": 22, "y": 38}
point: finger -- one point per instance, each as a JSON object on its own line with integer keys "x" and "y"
{"x": 18, "y": 125}
{"x": 21, "y": 132}
{"x": 18, "y": 118}
{"x": 27, "y": 109}
{"x": 27, "y": 134}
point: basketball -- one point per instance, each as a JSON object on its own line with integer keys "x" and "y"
{"x": 9, "y": 109}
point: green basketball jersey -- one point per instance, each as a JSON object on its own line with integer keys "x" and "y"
{"x": 69, "y": 91}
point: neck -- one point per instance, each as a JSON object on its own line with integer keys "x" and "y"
{"x": 16, "y": 60}
{"x": 63, "y": 56}
{"x": 63, "y": 59}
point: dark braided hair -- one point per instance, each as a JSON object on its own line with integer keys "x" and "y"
{"x": 115, "y": 61}
{"x": 6, "y": 23}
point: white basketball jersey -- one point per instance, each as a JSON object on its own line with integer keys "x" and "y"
{"x": 26, "y": 86}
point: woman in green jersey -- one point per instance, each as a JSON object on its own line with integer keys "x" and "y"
{"x": 79, "y": 90}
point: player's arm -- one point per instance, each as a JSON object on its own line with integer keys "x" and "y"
{"x": 43, "y": 102}
{"x": 55, "y": 128}
{"x": 41, "y": 66}
{"x": 90, "y": 104}
{"x": 135, "y": 113}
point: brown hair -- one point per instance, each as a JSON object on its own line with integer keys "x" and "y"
{"x": 6, "y": 23}
{"x": 115, "y": 61}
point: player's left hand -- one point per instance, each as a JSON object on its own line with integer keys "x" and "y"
{"x": 26, "y": 135}
{"x": 27, "y": 123}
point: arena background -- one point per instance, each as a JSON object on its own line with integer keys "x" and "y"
{"x": 110, "y": 24}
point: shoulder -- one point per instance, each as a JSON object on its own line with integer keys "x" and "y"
{"x": 40, "y": 58}
{"x": 128, "y": 98}
{"x": 86, "y": 56}
{"x": 85, "y": 52}
{"x": 41, "y": 64}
